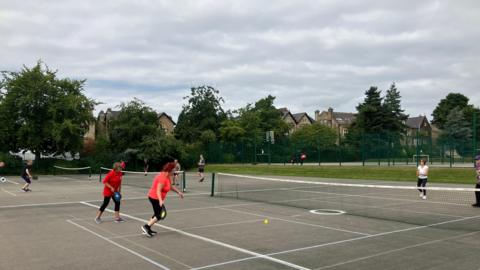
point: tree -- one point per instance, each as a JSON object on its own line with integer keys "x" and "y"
{"x": 443, "y": 109}
{"x": 43, "y": 113}
{"x": 202, "y": 112}
{"x": 134, "y": 122}
{"x": 457, "y": 132}
{"x": 371, "y": 113}
{"x": 394, "y": 120}
{"x": 262, "y": 117}
{"x": 157, "y": 146}
{"x": 316, "y": 136}
{"x": 231, "y": 131}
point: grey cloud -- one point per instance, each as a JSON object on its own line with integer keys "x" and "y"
{"x": 310, "y": 54}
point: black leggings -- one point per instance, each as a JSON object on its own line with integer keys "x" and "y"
{"x": 157, "y": 210}
{"x": 422, "y": 183}
{"x": 106, "y": 201}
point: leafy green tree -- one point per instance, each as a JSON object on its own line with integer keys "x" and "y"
{"x": 262, "y": 117}
{"x": 446, "y": 105}
{"x": 202, "y": 112}
{"x": 43, "y": 113}
{"x": 457, "y": 131}
{"x": 134, "y": 122}
{"x": 394, "y": 120}
{"x": 231, "y": 131}
{"x": 316, "y": 136}
{"x": 154, "y": 147}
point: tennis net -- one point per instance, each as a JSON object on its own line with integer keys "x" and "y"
{"x": 392, "y": 201}
{"x": 144, "y": 179}
{"x": 59, "y": 170}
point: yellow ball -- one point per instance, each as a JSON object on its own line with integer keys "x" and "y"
{"x": 265, "y": 221}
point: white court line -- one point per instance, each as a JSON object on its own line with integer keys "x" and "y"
{"x": 11, "y": 193}
{"x": 294, "y": 221}
{"x": 343, "y": 241}
{"x": 13, "y": 182}
{"x": 396, "y": 250}
{"x": 212, "y": 241}
{"x": 120, "y": 246}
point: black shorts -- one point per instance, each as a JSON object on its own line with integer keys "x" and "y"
{"x": 27, "y": 179}
{"x": 176, "y": 173}
{"x": 201, "y": 170}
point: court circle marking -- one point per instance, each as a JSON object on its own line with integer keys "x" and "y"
{"x": 327, "y": 212}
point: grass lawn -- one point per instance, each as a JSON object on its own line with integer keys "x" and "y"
{"x": 436, "y": 175}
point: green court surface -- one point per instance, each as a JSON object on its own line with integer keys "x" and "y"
{"x": 52, "y": 227}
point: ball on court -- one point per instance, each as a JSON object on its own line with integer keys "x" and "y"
{"x": 265, "y": 221}
{"x": 3, "y": 179}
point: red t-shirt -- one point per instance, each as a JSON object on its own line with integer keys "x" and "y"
{"x": 114, "y": 179}
{"x": 124, "y": 165}
{"x": 162, "y": 178}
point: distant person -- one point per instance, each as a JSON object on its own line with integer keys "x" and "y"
{"x": 477, "y": 185}
{"x": 422, "y": 174}
{"x": 145, "y": 166}
{"x": 292, "y": 159}
{"x": 158, "y": 193}
{"x": 112, "y": 183}
{"x": 27, "y": 175}
{"x": 201, "y": 168}
{"x": 303, "y": 157}
{"x": 176, "y": 172}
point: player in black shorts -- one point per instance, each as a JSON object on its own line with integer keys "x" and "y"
{"x": 27, "y": 175}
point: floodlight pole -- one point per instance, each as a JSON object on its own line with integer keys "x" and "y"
{"x": 474, "y": 138}
{"x": 417, "y": 146}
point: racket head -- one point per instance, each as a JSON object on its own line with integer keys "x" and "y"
{"x": 117, "y": 196}
{"x": 163, "y": 212}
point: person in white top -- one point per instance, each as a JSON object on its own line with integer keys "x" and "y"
{"x": 422, "y": 174}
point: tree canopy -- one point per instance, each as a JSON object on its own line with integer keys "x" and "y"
{"x": 444, "y": 107}
{"x": 43, "y": 113}
{"x": 134, "y": 122}
{"x": 202, "y": 112}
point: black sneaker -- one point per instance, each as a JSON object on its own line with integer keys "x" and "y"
{"x": 476, "y": 205}
{"x": 147, "y": 231}
{"x": 201, "y": 179}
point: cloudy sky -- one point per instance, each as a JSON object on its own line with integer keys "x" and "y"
{"x": 311, "y": 55}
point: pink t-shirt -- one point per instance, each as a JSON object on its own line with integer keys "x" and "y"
{"x": 163, "y": 179}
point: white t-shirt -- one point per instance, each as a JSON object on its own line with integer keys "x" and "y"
{"x": 423, "y": 172}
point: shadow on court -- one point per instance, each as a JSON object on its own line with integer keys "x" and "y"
{"x": 52, "y": 227}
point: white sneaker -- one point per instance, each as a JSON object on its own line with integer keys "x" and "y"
{"x": 98, "y": 220}
{"x": 421, "y": 194}
{"x": 424, "y": 197}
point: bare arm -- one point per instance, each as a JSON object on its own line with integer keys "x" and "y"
{"x": 174, "y": 188}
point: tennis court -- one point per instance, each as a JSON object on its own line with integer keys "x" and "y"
{"x": 249, "y": 223}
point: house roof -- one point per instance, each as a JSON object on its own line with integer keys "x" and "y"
{"x": 415, "y": 122}
{"x": 166, "y": 115}
{"x": 343, "y": 117}
{"x": 299, "y": 116}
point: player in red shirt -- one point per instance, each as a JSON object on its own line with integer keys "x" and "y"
{"x": 112, "y": 183}
{"x": 157, "y": 194}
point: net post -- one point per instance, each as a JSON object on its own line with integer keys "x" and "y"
{"x": 184, "y": 181}
{"x": 100, "y": 175}
{"x": 212, "y": 193}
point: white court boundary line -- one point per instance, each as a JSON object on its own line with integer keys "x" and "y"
{"x": 396, "y": 250}
{"x": 8, "y": 192}
{"x": 341, "y": 241}
{"x": 120, "y": 246}
{"x": 212, "y": 241}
